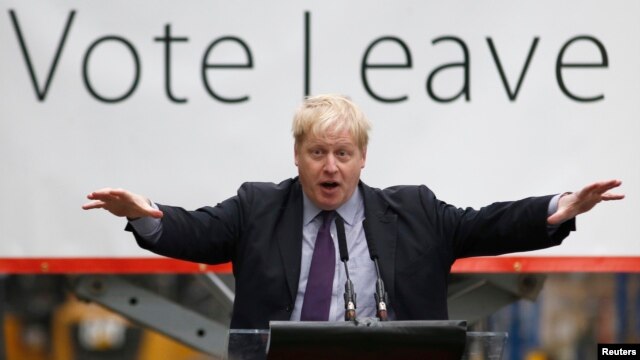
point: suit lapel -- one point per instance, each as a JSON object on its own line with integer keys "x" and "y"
{"x": 289, "y": 237}
{"x": 380, "y": 226}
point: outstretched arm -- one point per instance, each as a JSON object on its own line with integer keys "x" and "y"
{"x": 121, "y": 202}
{"x": 573, "y": 204}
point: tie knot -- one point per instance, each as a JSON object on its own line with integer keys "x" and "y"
{"x": 327, "y": 216}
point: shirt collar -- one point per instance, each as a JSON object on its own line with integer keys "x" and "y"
{"x": 347, "y": 211}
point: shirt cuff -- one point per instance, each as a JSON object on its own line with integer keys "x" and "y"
{"x": 553, "y": 207}
{"x": 147, "y": 227}
{"x": 553, "y": 204}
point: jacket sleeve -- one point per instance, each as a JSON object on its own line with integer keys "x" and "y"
{"x": 499, "y": 228}
{"x": 208, "y": 235}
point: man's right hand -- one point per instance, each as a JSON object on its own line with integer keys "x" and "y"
{"x": 121, "y": 202}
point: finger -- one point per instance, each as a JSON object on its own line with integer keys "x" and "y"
{"x": 605, "y": 186}
{"x": 119, "y": 193}
{"x": 100, "y": 192}
{"x": 607, "y": 196}
{"x": 558, "y": 217}
{"x": 600, "y": 187}
{"x": 151, "y": 210}
{"x": 109, "y": 193}
{"x": 155, "y": 213}
{"x": 102, "y": 196}
{"x": 553, "y": 219}
{"x": 93, "y": 205}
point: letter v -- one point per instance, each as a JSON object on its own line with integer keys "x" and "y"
{"x": 41, "y": 94}
{"x": 496, "y": 58}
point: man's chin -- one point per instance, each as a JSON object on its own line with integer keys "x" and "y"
{"x": 328, "y": 204}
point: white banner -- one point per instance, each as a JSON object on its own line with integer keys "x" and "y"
{"x": 183, "y": 101}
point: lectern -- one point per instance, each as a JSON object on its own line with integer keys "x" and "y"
{"x": 365, "y": 339}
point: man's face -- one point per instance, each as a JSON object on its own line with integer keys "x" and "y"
{"x": 329, "y": 168}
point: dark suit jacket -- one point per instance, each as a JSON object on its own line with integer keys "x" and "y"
{"x": 417, "y": 237}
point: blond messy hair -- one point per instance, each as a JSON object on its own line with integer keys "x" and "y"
{"x": 327, "y": 114}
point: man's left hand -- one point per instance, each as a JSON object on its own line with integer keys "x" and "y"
{"x": 572, "y": 204}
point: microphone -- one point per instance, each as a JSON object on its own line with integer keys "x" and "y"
{"x": 349, "y": 292}
{"x": 381, "y": 296}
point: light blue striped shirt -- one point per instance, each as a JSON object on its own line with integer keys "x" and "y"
{"x": 361, "y": 268}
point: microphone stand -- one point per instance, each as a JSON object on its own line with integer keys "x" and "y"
{"x": 349, "y": 298}
{"x": 381, "y": 296}
{"x": 349, "y": 292}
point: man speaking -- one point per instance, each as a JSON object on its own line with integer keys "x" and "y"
{"x": 282, "y": 238}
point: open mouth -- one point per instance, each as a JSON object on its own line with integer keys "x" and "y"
{"x": 329, "y": 185}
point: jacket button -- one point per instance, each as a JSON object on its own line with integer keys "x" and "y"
{"x": 288, "y": 308}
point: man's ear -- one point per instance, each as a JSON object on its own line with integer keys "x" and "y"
{"x": 295, "y": 154}
{"x": 364, "y": 157}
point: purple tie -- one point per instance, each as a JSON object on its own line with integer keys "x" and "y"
{"x": 317, "y": 296}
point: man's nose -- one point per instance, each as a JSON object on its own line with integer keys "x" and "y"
{"x": 330, "y": 165}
